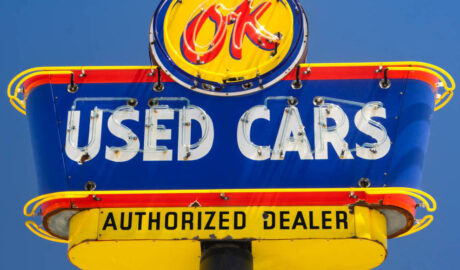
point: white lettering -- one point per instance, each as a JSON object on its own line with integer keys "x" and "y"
{"x": 88, "y": 152}
{"x": 154, "y": 132}
{"x": 186, "y": 150}
{"x": 291, "y": 136}
{"x": 334, "y": 135}
{"x": 246, "y": 146}
{"x": 377, "y": 131}
{"x": 130, "y": 150}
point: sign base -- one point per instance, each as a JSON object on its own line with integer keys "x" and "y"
{"x": 361, "y": 246}
{"x": 268, "y": 254}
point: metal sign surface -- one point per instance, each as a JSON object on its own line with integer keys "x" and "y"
{"x": 238, "y": 222}
{"x": 228, "y": 47}
{"x": 301, "y": 237}
{"x": 331, "y": 133}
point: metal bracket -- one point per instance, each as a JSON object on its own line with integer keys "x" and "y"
{"x": 297, "y": 84}
{"x": 158, "y": 86}
{"x": 72, "y": 87}
{"x": 385, "y": 82}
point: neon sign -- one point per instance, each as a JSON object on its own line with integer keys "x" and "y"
{"x": 228, "y": 47}
{"x": 291, "y": 135}
{"x": 245, "y": 23}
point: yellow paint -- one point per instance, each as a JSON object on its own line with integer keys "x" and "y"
{"x": 362, "y": 247}
{"x": 136, "y": 255}
{"x": 420, "y": 225}
{"x": 278, "y": 18}
{"x": 40, "y": 232}
{"x": 225, "y": 223}
{"x": 318, "y": 254}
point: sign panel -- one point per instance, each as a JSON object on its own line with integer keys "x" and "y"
{"x": 361, "y": 246}
{"x": 228, "y": 47}
{"x": 226, "y": 222}
{"x": 332, "y": 133}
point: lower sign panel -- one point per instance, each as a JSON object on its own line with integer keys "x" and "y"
{"x": 289, "y": 234}
{"x": 227, "y": 223}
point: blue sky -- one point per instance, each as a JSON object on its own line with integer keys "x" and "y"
{"x": 90, "y": 32}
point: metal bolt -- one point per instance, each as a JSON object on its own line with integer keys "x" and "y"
{"x": 158, "y": 87}
{"x": 293, "y": 101}
{"x": 90, "y": 186}
{"x": 318, "y": 101}
{"x": 132, "y": 102}
{"x": 364, "y": 182}
{"x": 207, "y": 86}
{"x": 247, "y": 85}
{"x": 385, "y": 84}
{"x": 224, "y": 197}
{"x": 152, "y": 102}
{"x": 72, "y": 88}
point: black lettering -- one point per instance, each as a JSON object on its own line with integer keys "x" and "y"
{"x": 269, "y": 215}
{"x": 325, "y": 220}
{"x": 156, "y": 221}
{"x": 112, "y": 223}
{"x": 188, "y": 220}
{"x": 122, "y": 222}
{"x": 199, "y": 220}
{"x": 140, "y": 214}
{"x": 174, "y": 226}
{"x": 283, "y": 220}
{"x": 341, "y": 217}
{"x": 299, "y": 221}
{"x": 312, "y": 226}
{"x": 208, "y": 224}
{"x": 243, "y": 220}
{"x": 222, "y": 220}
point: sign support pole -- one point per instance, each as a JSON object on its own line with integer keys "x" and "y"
{"x": 226, "y": 256}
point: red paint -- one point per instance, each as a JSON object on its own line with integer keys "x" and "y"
{"x": 244, "y": 20}
{"x": 142, "y": 76}
{"x": 234, "y": 199}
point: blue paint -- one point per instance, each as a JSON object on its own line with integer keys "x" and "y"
{"x": 225, "y": 166}
{"x": 48, "y": 155}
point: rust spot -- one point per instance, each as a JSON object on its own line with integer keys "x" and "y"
{"x": 85, "y": 157}
{"x": 195, "y": 204}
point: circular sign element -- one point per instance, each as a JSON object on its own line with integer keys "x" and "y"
{"x": 228, "y": 47}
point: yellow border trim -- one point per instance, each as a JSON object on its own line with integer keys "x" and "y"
{"x": 441, "y": 101}
{"x": 426, "y": 199}
{"x": 20, "y": 105}
{"x": 422, "y": 224}
{"x": 35, "y": 229}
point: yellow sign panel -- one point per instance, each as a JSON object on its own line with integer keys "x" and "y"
{"x": 228, "y": 38}
{"x": 228, "y": 45}
{"x": 109, "y": 239}
{"x": 226, "y": 223}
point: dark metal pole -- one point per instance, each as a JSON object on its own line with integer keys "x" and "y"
{"x": 226, "y": 256}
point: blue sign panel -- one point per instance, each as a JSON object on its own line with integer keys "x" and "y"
{"x": 329, "y": 133}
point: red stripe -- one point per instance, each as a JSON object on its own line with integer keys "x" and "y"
{"x": 140, "y": 75}
{"x": 230, "y": 199}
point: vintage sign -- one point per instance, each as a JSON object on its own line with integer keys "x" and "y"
{"x": 336, "y": 132}
{"x": 228, "y": 47}
{"x": 287, "y": 164}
